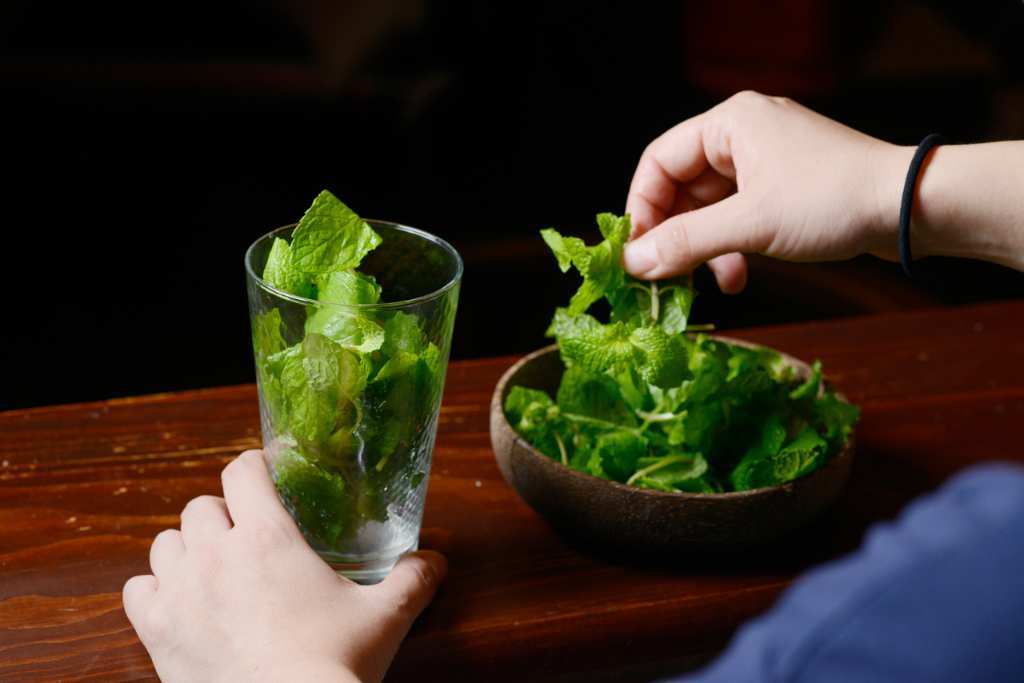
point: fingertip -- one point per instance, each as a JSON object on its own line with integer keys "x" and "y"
{"x": 437, "y": 562}
{"x": 413, "y": 581}
{"x": 136, "y": 591}
{"x": 252, "y": 457}
{"x": 430, "y": 565}
{"x": 730, "y": 271}
{"x": 640, "y": 257}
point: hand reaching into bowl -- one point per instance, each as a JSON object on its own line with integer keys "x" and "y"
{"x": 760, "y": 174}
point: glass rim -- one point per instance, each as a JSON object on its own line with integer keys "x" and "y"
{"x": 423, "y": 234}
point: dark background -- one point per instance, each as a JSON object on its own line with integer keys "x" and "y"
{"x": 147, "y": 144}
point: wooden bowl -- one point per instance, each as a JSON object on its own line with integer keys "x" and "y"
{"x": 617, "y": 518}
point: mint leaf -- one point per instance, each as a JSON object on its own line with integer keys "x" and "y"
{"x": 593, "y": 395}
{"x": 348, "y": 288}
{"x": 673, "y": 473}
{"x": 351, "y": 331}
{"x": 599, "y": 265}
{"x": 279, "y": 263}
{"x": 664, "y": 358}
{"x": 402, "y": 334}
{"x": 316, "y": 498}
{"x": 281, "y": 274}
{"x": 520, "y": 401}
{"x": 675, "y": 308}
{"x": 800, "y": 457}
{"x": 535, "y": 416}
{"x": 660, "y": 359}
{"x": 599, "y": 348}
{"x": 566, "y": 249}
{"x": 346, "y": 326}
{"x": 618, "y": 452}
{"x": 809, "y": 389}
{"x": 267, "y": 334}
{"x": 311, "y": 386}
{"x": 836, "y": 418}
{"x": 330, "y": 237}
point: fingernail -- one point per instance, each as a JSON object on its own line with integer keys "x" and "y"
{"x": 437, "y": 562}
{"x": 639, "y": 256}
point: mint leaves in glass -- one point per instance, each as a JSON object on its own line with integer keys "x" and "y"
{"x": 645, "y": 404}
{"x": 351, "y": 326}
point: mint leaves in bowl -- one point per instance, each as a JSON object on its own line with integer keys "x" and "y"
{"x": 351, "y": 324}
{"x": 638, "y": 432}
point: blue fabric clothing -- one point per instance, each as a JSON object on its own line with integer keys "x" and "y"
{"x": 937, "y": 596}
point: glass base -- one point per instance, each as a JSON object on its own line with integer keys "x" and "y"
{"x": 365, "y": 569}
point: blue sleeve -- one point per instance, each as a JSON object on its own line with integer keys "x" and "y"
{"x": 936, "y": 596}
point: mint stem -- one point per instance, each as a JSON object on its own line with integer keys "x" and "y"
{"x": 664, "y": 462}
{"x": 561, "y": 449}
{"x": 655, "y": 301}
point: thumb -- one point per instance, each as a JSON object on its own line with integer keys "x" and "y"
{"x": 683, "y": 242}
{"x": 412, "y": 583}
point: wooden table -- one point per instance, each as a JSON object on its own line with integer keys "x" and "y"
{"x": 84, "y": 488}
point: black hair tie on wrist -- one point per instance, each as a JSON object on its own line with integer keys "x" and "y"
{"x": 908, "y": 197}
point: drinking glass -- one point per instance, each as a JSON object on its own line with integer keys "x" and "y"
{"x": 349, "y": 397}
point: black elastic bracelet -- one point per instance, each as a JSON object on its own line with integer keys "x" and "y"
{"x": 908, "y": 197}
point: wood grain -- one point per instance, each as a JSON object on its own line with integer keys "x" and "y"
{"x": 84, "y": 488}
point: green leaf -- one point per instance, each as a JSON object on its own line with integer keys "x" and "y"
{"x": 320, "y": 386}
{"x": 615, "y": 229}
{"x": 350, "y": 331}
{"x": 566, "y": 249}
{"x": 631, "y": 303}
{"x": 316, "y": 498}
{"x": 659, "y": 359}
{"x": 836, "y": 418}
{"x": 809, "y": 389}
{"x": 402, "y": 334}
{"x": 675, "y": 308}
{"x": 801, "y": 456}
{"x": 599, "y": 348}
{"x": 397, "y": 364}
{"x": 535, "y": 416}
{"x": 751, "y": 370}
{"x": 330, "y": 237}
{"x": 665, "y": 358}
{"x": 267, "y": 335}
{"x": 593, "y": 395}
{"x": 339, "y": 319}
{"x": 281, "y": 274}
{"x": 599, "y": 265}
{"x": 268, "y": 343}
{"x": 673, "y": 473}
{"x": 348, "y": 288}
{"x": 618, "y": 452}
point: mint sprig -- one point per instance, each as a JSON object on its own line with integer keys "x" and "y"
{"x": 643, "y": 403}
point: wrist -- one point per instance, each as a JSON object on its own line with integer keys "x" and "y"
{"x": 889, "y": 165}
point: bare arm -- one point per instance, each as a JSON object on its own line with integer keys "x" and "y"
{"x": 760, "y": 174}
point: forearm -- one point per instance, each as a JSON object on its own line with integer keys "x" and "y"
{"x": 969, "y": 202}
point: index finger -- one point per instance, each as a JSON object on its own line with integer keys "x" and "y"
{"x": 676, "y": 157}
{"x": 250, "y": 494}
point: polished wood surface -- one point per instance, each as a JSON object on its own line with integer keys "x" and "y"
{"x": 84, "y": 488}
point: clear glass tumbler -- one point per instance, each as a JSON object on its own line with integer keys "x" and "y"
{"x": 349, "y": 397}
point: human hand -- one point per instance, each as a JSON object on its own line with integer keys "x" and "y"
{"x": 238, "y": 594}
{"x": 760, "y": 174}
